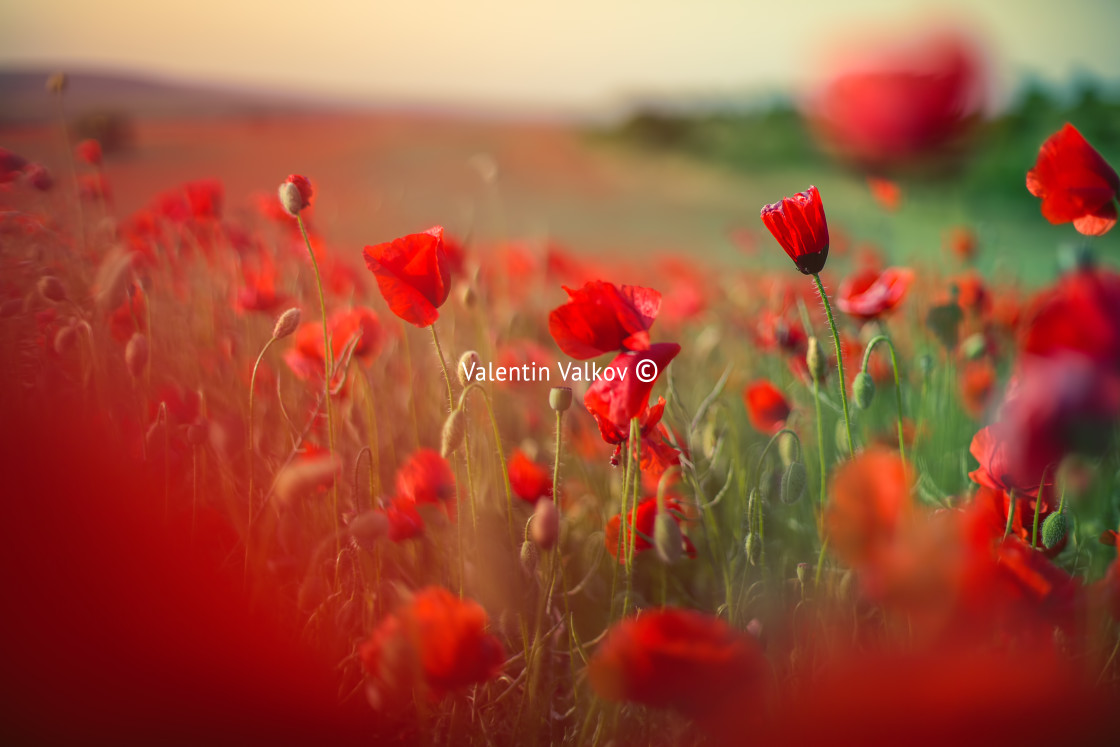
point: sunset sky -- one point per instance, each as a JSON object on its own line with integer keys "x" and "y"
{"x": 576, "y": 54}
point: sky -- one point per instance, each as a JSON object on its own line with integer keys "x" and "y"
{"x": 535, "y": 54}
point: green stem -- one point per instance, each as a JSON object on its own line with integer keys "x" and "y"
{"x": 897, "y": 385}
{"x": 839, "y": 362}
{"x": 1010, "y": 513}
{"x": 328, "y": 367}
{"x": 820, "y": 443}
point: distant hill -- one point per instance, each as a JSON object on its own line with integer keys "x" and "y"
{"x": 24, "y": 100}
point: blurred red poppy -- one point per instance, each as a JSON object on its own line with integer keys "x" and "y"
{"x": 799, "y": 225}
{"x": 870, "y": 293}
{"x": 961, "y": 241}
{"x": 674, "y": 658}
{"x": 529, "y": 480}
{"x": 88, "y": 151}
{"x": 1081, "y": 314}
{"x": 413, "y": 274}
{"x": 977, "y": 382}
{"x": 1075, "y": 183}
{"x": 426, "y": 477}
{"x": 886, "y": 192}
{"x": 305, "y": 358}
{"x": 204, "y": 198}
{"x": 405, "y": 521}
{"x": 440, "y": 637}
{"x": 642, "y": 518}
{"x": 601, "y": 318}
{"x": 767, "y": 407}
{"x": 903, "y": 104}
{"x": 869, "y": 500}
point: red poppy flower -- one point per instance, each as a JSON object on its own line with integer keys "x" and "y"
{"x": 426, "y": 478}
{"x": 870, "y": 293}
{"x": 799, "y": 225}
{"x": 622, "y": 391}
{"x": 305, "y": 358}
{"x": 529, "y": 480}
{"x": 995, "y": 504}
{"x": 1004, "y": 462}
{"x": 438, "y": 636}
{"x": 413, "y": 275}
{"x": 869, "y": 499}
{"x": 259, "y": 292}
{"x": 643, "y": 519}
{"x": 1075, "y": 183}
{"x": 601, "y": 318}
{"x": 767, "y": 407}
{"x": 680, "y": 659}
{"x": 88, "y": 151}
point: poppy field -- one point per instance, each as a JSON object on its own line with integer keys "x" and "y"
{"x": 443, "y": 487}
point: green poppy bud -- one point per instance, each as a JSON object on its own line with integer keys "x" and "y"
{"x": 795, "y": 480}
{"x": 863, "y": 389}
{"x": 814, "y": 359}
{"x": 1054, "y": 529}
{"x": 667, "y": 538}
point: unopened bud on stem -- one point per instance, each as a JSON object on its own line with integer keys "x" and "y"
{"x": 286, "y": 323}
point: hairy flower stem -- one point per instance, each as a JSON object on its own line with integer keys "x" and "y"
{"x": 443, "y": 364}
{"x": 897, "y": 384}
{"x": 251, "y": 447}
{"x": 839, "y": 361}
{"x": 475, "y": 386}
{"x": 328, "y": 369}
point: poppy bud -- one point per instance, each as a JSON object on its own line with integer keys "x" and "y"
{"x": 787, "y": 449}
{"x": 794, "y": 482}
{"x": 51, "y": 289}
{"x": 974, "y": 347}
{"x": 709, "y": 437}
{"x": 545, "y": 529}
{"x": 814, "y": 359}
{"x": 368, "y": 526}
{"x": 529, "y": 557}
{"x": 454, "y": 431}
{"x": 136, "y": 355}
{"x": 925, "y": 364}
{"x": 295, "y": 194}
{"x": 467, "y": 296}
{"x": 752, "y": 504}
{"x": 802, "y": 573}
{"x": 667, "y": 538}
{"x": 560, "y": 398}
{"x": 1054, "y": 529}
{"x": 468, "y": 361}
{"x": 753, "y": 548}
{"x": 286, "y": 323}
{"x": 863, "y": 389}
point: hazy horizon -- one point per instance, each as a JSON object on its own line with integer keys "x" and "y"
{"x": 581, "y": 57}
